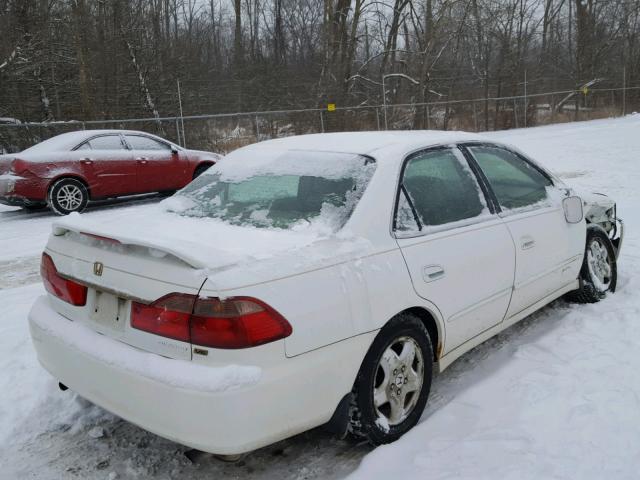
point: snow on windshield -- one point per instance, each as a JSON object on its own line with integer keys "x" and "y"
{"x": 267, "y": 188}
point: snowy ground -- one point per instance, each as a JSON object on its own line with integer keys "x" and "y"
{"x": 556, "y": 396}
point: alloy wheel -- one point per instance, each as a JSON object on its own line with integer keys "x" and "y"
{"x": 599, "y": 264}
{"x": 398, "y": 381}
{"x": 69, "y": 197}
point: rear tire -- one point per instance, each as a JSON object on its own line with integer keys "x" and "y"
{"x": 68, "y": 195}
{"x": 392, "y": 387}
{"x": 599, "y": 272}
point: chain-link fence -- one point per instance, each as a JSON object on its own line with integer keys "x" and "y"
{"x": 225, "y": 132}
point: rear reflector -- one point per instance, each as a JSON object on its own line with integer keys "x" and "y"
{"x": 67, "y": 290}
{"x": 232, "y": 323}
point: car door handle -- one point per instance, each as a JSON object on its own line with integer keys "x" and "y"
{"x": 142, "y": 160}
{"x": 527, "y": 242}
{"x": 87, "y": 161}
{"x": 431, "y": 273}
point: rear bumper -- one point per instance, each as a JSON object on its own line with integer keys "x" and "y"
{"x": 224, "y": 410}
{"x": 18, "y": 191}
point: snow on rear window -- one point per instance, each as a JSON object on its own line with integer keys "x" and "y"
{"x": 59, "y": 143}
{"x": 278, "y": 189}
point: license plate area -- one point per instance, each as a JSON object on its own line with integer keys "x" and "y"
{"x": 109, "y": 311}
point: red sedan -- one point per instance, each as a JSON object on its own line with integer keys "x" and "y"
{"x": 67, "y": 171}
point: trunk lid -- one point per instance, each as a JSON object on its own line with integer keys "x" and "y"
{"x": 117, "y": 275}
{"x": 147, "y": 255}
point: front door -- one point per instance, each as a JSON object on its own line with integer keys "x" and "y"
{"x": 459, "y": 253}
{"x": 157, "y": 165}
{"x": 548, "y": 249}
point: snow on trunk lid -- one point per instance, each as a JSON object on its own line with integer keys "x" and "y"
{"x": 118, "y": 275}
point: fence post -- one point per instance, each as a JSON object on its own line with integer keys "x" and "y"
{"x": 321, "y": 122}
{"x": 515, "y": 112}
{"x": 475, "y": 115}
{"x": 257, "y": 130}
{"x": 378, "y": 118}
{"x": 184, "y": 140}
{"x": 178, "y": 132}
{"x": 428, "y": 117}
{"x": 525, "y": 98}
{"x": 624, "y": 91}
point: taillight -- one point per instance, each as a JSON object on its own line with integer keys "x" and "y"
{"x": 17, "y": 166}
{"x": 236, "y": 322}
{"x": 168, "y": 316}
{"x": 67, "y": 290}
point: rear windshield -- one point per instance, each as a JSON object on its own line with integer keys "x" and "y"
{"x": 285, "y": 190}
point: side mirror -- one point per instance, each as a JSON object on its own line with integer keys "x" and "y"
{"x": 572, "y": 207}
{"x": 174, "y": 150}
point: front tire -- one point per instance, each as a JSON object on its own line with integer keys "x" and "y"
{"x": 599, "y": 272}
{"x": 68, "y": 195}
{"x": 392, "y": 387}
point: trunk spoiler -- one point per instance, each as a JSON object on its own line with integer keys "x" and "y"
{"x": 180, "y": 253}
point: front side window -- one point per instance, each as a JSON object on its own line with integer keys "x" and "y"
{"x": 108, "y": 142}
{"x": 284, "y": 190}
{"x": 515, "y": 182}
{"x": 140, "y": 142}
{"x": 438, "y": 188}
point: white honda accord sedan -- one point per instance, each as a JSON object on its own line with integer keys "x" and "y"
{"x": 313, "y": 280}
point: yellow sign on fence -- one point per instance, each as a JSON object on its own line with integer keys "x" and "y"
{"x": 585, "y": 90}
{"x": 331, "y": 107}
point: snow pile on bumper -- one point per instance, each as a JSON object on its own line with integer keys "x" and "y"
{"x": 172, "y": 372}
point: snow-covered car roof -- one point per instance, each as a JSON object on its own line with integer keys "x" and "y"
{"x": 364, "y": 143}
{"x": 67, "y": 141}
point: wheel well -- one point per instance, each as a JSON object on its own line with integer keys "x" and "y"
{"x": 430, "y": 324}
{"x": 203, "y": 165}
{"x": 74, "y": 177}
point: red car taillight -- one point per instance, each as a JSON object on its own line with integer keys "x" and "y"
{"x": 237, "y": 322}
{"x": 67, "y": 290}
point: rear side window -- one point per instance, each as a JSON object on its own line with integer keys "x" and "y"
{"x": 438, "y": 187}
{"x": 516, "y": 182}
{"x": 108, "y": 142}
{"x": 140, "y": 142}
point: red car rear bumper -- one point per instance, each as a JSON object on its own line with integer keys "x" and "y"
{"x": 21, "y": 191}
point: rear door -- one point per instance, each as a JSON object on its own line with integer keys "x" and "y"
{"x": 107, "y": 164}
{"x": 548, "y": 249}
{"x": 158, "y": 166}
{"x": 459, "y": 253}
